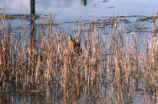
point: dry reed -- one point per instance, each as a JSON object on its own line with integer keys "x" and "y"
{"x": 108, "y": 71}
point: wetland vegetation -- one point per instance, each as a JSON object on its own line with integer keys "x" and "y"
{"x": 117, "y": 62}
{"x": 117, "y": 70}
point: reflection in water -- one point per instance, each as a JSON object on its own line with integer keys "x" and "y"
{"x": 63, "y": 8}
{"x": 85, "y": 8}
{"x": 32, "y": 22}
{"x": 32, "y": 6}
{"x": 33, "y": 31}
{"x": 84, "y": 2}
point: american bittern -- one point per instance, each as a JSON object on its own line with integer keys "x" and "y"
{"x": 74, "y": 46}
{"x": 0, "y": 59}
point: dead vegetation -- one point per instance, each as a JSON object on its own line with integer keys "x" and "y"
{"x": 116, "y": 70}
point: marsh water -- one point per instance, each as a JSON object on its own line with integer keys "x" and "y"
{"x": 137, "y": 13}
{"x": 137, "y": 17}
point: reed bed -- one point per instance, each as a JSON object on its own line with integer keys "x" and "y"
{"x": 120, "y": 69}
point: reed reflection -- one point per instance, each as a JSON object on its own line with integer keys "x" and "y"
{"x": 32, "y": 7}
{"x": 84, "y": 2}
{"x": 32, "y": 31}
{"x": 32, "y": 22}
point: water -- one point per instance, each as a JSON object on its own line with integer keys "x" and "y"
{"x": 134, "y": 14}
{"x": 70, "y": 10}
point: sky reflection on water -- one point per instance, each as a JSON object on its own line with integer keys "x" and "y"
{"x": 67, "y": 10}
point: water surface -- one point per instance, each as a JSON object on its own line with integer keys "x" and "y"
{"x": 68, "y": 10}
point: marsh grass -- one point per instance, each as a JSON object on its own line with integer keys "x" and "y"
{"x": 117, "y": 70}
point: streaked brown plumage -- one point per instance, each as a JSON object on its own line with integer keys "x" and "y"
{"x": 0, "y": 59}
{"x": 73, "y": 46}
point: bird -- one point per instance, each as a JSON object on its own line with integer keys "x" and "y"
{"x": 73, "y": 46}
{"x": 0, "y": 59}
